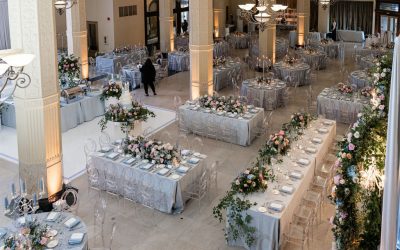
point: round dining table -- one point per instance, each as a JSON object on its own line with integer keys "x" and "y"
{"x": 316, "y": 59}
{"x": 295, "y": 74}
{"x": 268, "y": 95}
{"x": 360, "y": 79}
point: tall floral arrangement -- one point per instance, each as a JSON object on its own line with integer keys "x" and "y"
{"x": 359, "y": 169}
{"x": 68, "y": 68}
{"x": 112, "y": 90}
{"x": 32, "y": 236}
{"x": 222, "y": 103}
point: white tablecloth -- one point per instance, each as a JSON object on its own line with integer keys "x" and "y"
{"x": 273, "y": 225}
{"x": 369, "y": 51}
{"x": 350, "y": 36}
{"x": 366, "y": 62}
{"x": 331, "y": 49}
{"x": 179, "y": 61}
{"x": 72, "y": 114}
{"x": 181, "y": 42}
{"x": 221, "y": 74}
{"x": 314, "y": 37}
{"x": 360, "y": 79}
{"x": 166, "y": 193}
{"x": 239, "y": 41}
{"x": 268, "y": 97}
{"x": 340, "y": 107}
{"x": 245, "y": 129}
{"x": 133, "y": 75}
{"x": 297, "y": 73}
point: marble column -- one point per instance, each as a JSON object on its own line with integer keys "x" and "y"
{"x": 77, "y": 35}
{"x": 323, "y": 19}
{"x": 303, "y": 20}
{"x": 267, "y": 39}
{"x": 201, "y": 47}
{"x": 166, "y": 26}
{"x": 219, "y": 18}
{"x": 32, "y": 28}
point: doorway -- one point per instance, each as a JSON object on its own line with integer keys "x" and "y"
{"x": 389, "y": 23}
{"x": 181, "y": 13}
{"x": 93, "y": 39}
{"x": 152, "y": 24}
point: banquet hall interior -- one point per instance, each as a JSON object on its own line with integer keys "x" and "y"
{"x": 199, "y": 124}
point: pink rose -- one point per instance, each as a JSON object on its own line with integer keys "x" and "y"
{"x": 351, "y": 146}
{"x": 281, "y": 132}
{"x": 336, "y": 179}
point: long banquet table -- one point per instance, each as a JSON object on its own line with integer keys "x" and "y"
{"x": 162, "y": 192}
{"x": 340, "y": 107}
{"x": 245, "y": 128}
{"x": 272, "y": 225}
{"x": 72, "y": 114}
{"x": 350, "y": 36}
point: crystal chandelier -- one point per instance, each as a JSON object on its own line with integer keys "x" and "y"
{"x": 62, "y": 5}
{"x": 11, "y": 73}
{"x": 261, "y": 13}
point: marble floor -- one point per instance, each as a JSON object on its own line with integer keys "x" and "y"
{"x": 143, "y": 228}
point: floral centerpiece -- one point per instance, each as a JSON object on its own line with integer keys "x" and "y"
{"x": 251, "y": 180}
{"x": 68, "y": 69}
{"x": 155, "y": 151}
{"x": 31, "y": 236}
{"x": 219, "y": 61}
{"x": 280, "y": 142}
{"x": 366, "y": 91}
{"x": 229, "y": 104}
{"x": 119, "y": 113}
{"x": 112, "y": 90}
{"x": 300, "y": 120}
{"x": 290, "y": 60}
{"x": 344, "y": 88}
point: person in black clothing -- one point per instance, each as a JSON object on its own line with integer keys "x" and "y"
{"x": 148, "y": 76}
{"x": 185, "y": 26}
{"x": 334, "y": 29}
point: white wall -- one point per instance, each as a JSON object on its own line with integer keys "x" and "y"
{"x": 101, "y": 11}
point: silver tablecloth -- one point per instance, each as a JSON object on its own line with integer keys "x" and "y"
{"x": 159, "y": 188}
{"x": 340, "y": 107}
{"x": 366, "y": 62}
{"x": 359, "y": 78}
{"x": 350, "y": 36}
{"x": 292, "y": 38}
{"x": 221, "y": 49}
{"x": 181, "y": 42}
{"x": 298, "y": 73}
{"x": 245, "y": 128}
{"x": 314, "y": 37}
{"x": 109, "y": 64}
{"x": 268, "y": 97}
{"x": 315, "y": 60}
{"x": 72, "y": 114}
{"x": 64, "y": 233}
{"x": 221, "y": 78}
{"x": 179, "y": 61}
{"x": 272, "y": 226}
{"x": 331, "y": 49}
{"x": 133, "y": 75}
{"x": 239, "y": 41}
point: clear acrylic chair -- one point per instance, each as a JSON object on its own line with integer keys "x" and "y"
{"x": 312, "y": 200}
{"x": 104, "y": 140}
{"x": 213, "y": 174}
{"x": 320, "y": 185}
{"x": 198, "y": 189}
{"x": 297, "y": 235}
{"x": 112, "y": 181}
{"x": 197, "y": 145}
{"x": 89, "y": 147}
{"x": 304, "y": 217}
{"x": 108, "y": 245}
{"x": 99, "y": 215}
{"x": 183, "y": 141}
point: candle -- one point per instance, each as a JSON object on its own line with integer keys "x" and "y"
{"x": 13, "y": 188}
{"x": 41, "y": 185}
{"x": 34, "y": 199}
{"x": 23, "y": 188}
{"x": 6, "y": 203}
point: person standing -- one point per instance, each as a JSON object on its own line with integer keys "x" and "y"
{"x": 185, "y": 26}
{"x": 334, "y": 29}
{"x": 148, "y": 73}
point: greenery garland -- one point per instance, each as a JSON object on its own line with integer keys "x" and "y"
{"x": 359, "y": 169}
{"x": 255, "y": 179}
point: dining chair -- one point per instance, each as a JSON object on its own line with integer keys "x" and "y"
{"x": 197, "y": 145}
{"x": 213, "y": 174}
{"x": 297, "y": 235}
{"x": 104, "y": 140}
{"x": 312, "y": 200}
{"x": 303, "y": 216}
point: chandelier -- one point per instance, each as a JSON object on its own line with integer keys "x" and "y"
{"x": 62, "y": 5}
{"x": 325, "y": 3}
{"x": 261, "y": 13}
{"x": 12, "y": 75}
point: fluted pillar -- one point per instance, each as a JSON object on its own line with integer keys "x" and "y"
{"x": 219, "y": 18}
{"x": 323, "y": 19}
{"x": 32, "y": 28}
{"x": 267, "y": 39}
{"x": 303, "y": 20}
{"x": 77, "y": 35}
{"x": 201, "y": 47}
{"x": 166, "y": 26}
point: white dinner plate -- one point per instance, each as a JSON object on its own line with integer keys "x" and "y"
{"x": 52, "y": 243}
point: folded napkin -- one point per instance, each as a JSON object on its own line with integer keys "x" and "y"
{"x": 253, "y": 111}
{"x": 163, "y": 171}
{"x": 323, "y": 130}
{"x": 287, "y": 189}
{"x": 220, "y": 113}
{"x": 105, "y": 149}
{"x": 129, "y": 161}
{"x": 195, "y": 108}
{"x": 296, "y": 175}
{"x": 76, "y": 238}
{"x": 316, "y": 140}
{"x": 194, "y": 160}
{"x": 112, "y": 156}
{"x": 248, "y": 116}
{"x": 275, "y": 206}
{"x": 175, "y": 176}
{"x": 311, "y": 150}
{"x": 185, "y": 152}
{"x": 328, "y": 123}
{"x": 52, "y": 216}
{"x": 21, "y": 221}
{"x": 304, "y": 162}
{"x": 146, "y": 166}
{"x": 250, "y": 106}
{"x": 72, "y": 222}
{"x": 182, "y": 169}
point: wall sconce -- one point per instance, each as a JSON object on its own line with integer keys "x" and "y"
{"x": 62, "y": 5}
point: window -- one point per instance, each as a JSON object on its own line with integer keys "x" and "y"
{"x": 389, "y": 6}
{"x": 128, "y": 11}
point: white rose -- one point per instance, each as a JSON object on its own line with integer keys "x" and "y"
{"x": 342, "y": 181}
{"x": 383, "y": 74}
{"x": 357, "y": 135}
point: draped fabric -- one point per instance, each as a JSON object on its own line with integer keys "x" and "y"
{"x": 352, "y": 16}
{"x": 4, "y": 26}
{"x": 313, "y": 15}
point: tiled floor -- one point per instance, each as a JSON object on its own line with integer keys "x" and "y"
{"x": 195, "y": 228}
